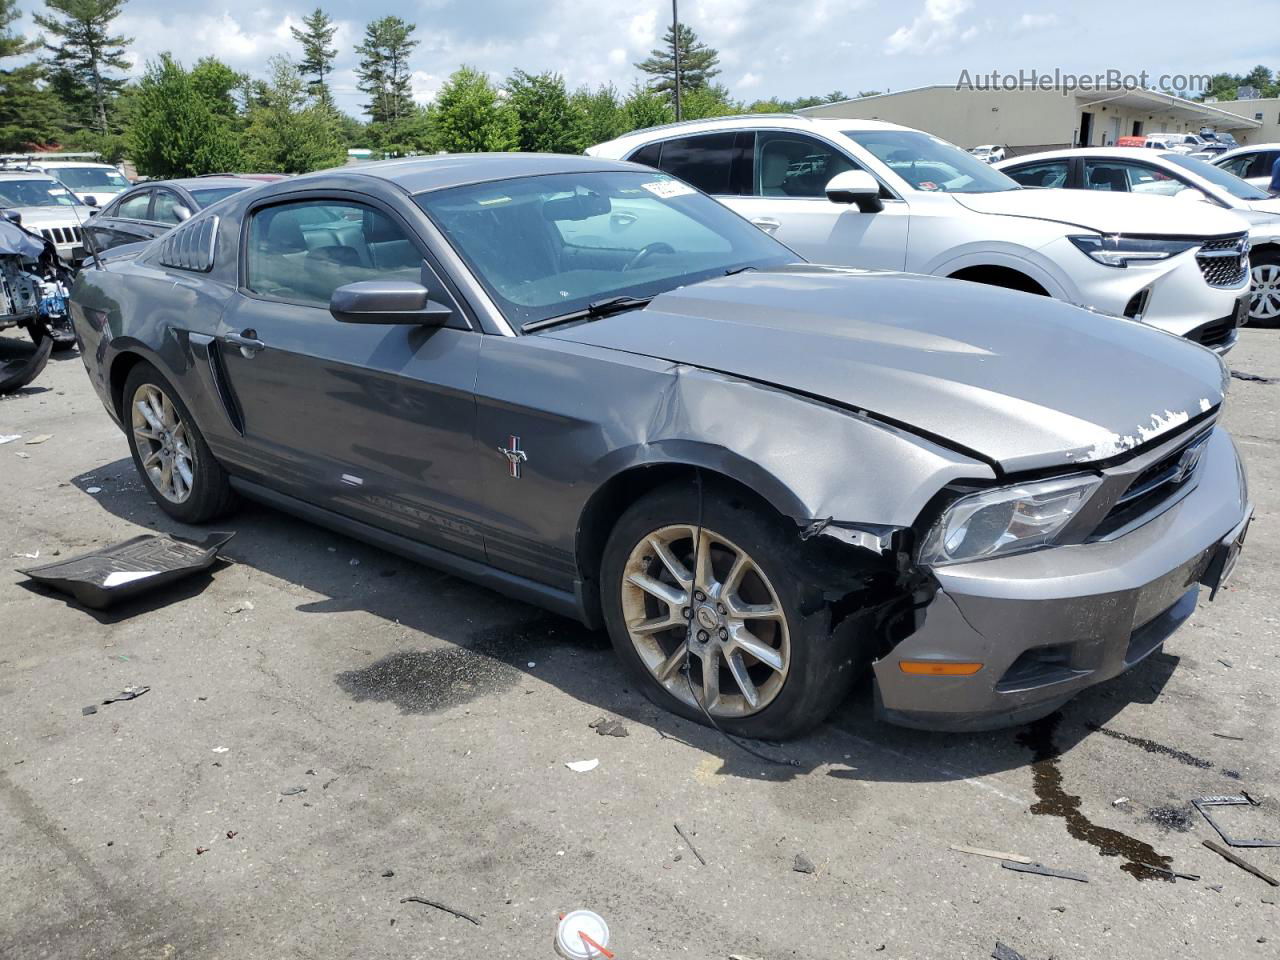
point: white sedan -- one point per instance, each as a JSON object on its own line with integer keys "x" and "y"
{"x": 1171, "y": 174}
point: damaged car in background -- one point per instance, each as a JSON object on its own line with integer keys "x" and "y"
{"x": 588, "y": 385}
{"x": 33, "y": 298}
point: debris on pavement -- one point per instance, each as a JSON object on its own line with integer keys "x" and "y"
{"x": 221, "y": 749}
{"x": 1001, "y": 952}
{"x": 28, "y": 556}
{"x": 240, "y": 606}
{"x": 231, "y": 834}
{"x": 582, "y": 766}
{"x": 9, "y": 437}
{"x": 292, "y": 791}
{"x": 1227, "y": 736}
{"x": 388, "y": 873}
{"x": 582, "y": 935}
{"x": 992, "y": 854}
{"x": 201, "y": 850}
{"x": 88, "y": 711}
{"x": 1241, "y": 863}
{"x": 1043, "y": 871}
{"x": 803, "y": 864}
{"x": 40, "y": 438}
{"x": 689, "y": 844}
{"x": 128, "y": 693}
{"x": 1253, "y": 377}
{"x": 441, "y": 906}
{"x": 1173, "y": 874}
{"x": 124, "y": 570}
{"x": 609, "y": 728}
{"x": 1119, "y": 800}
{"x": 1201, "y": 803}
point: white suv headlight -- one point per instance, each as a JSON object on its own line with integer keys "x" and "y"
{"x": 1115, "y": 250}
{"x": 1006, "y": 520}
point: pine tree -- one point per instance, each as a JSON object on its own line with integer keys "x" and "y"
{"x": 287, "y": 132}
{"x": 29, "y": 111}
{"x": 82, "y": 53}
{"x": 698, "y": 63}
{"x": 317, "y": 51}
{"x": 384, "y": 68}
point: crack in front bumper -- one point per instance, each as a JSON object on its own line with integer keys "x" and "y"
{"x": 1051, "y": 623}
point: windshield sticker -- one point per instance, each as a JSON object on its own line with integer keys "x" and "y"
{"x": 666, "y": 189}
{"x": 927, "y": 185}
{"x": 490, "y": 201}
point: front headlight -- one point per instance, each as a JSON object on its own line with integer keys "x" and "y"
{"x": 1119, "y": 251}
{"x": 1006, "y": 520}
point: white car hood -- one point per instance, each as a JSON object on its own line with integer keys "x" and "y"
{"x": 1270, "y": 207}
{"x": 50, "y": 216}
{"x": 1108, "y": 212}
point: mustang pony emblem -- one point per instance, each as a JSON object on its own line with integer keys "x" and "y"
{"x": 515, "y": 456}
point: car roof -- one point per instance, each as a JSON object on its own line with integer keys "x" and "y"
{"x": 200, "y": 183}
{"x": 1126, "y": 153}
{"x": 70, "y": 163}
{"x": 421, "y": 174}
{"x": 24, "y": 175}
{"x": 750, "y": 121}
{"x": 1247, "y": 148}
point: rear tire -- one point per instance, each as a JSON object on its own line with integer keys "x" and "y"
{"x": 170, "y": 452}
{"x": 798, "y": 671}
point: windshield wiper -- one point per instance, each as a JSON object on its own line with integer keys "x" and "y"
{"x": 600, "y": 308}
{"x": 733, "y": 271}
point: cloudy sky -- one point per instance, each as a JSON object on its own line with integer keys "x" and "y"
{"x": 767, "y": 47}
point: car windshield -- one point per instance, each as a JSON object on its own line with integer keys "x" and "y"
{"x": 35, "y": 193}
{"x": 207, "y": 196}
{"x": 551, "y": 245}
{"x": 104, "y": 179}
{"x": 1240, "y": 189}
{"x": 930, "y": 164}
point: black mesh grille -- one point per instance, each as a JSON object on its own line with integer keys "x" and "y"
{"x": 1223, "y": 262}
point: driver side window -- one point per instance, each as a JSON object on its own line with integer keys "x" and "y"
{"x": 305, "y": 250}
{"x": 794, "y": 165}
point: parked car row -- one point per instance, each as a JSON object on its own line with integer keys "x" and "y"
{"x": 865, "y": 193}
{"x": 586, "y": 383}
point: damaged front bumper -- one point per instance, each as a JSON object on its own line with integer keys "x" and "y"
{"x": 1047, "y": 624}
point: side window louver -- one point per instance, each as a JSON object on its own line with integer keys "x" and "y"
{"x": 190, "y": 246}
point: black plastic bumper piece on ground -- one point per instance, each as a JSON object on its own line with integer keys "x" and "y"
{"x": 128, "y": 569}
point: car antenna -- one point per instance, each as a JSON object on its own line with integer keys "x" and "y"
{"x": 85, "y": 235}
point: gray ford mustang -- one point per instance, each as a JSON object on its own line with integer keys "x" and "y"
{"x": 590, "y": 386}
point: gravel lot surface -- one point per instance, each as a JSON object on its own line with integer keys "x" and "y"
{"x": 330, "y": 729}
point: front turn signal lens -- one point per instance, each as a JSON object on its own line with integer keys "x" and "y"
{"x": 938, "y": 668}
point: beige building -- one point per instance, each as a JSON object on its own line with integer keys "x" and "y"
{"x": 1031, "y": 119}
{"x": 1264, "y": 112}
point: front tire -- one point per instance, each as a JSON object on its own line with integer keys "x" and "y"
{"x": 1264, "y": 276}
{"x": 170, "y": 452}
{"x": 760, "y": 667}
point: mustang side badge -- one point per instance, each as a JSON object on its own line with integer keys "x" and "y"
{"x": 515, "y": 456}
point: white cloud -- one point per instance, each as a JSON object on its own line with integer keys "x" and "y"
{"x": 933, "y": 29}
{"x": 1035, "y": 21}
{"x": 749, "y": 80}
{"x": 617, "y": 56}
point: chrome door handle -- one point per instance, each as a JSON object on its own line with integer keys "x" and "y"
{"x": 248, "y": 343}
{"x": 767, "y": 224}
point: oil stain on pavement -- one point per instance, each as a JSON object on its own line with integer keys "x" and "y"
{"x": 1054, "y": 801}
{"x": 423, "y": 681}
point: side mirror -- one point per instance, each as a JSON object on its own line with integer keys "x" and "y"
{"x": 13, "y": 216}
{"x": 857, "y": 187}
{"x": 387, "y": 301}
{"x": 181, "y": 212}
{"x": 91, "y": 201}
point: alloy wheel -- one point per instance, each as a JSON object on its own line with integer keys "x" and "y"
{"x": 713, "y": 607}
{"x": 1265, "y": 303}
{"x": 164, "y": 448}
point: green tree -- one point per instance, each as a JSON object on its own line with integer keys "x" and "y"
{"x": 646, "y": 108}
{"x": 384, "y": 68}
{"x": 318, "y": 51}
{"x": 217, "y": 84}
{"x": 30, "y": 113}
{"x": 289, "y": 131}
{"x": 548, "y": 123}
{"x": 82, "y": 52}
{"x": 173, "y": 130}
{"x": 710, "y": 101}
{"x": 470, "y": 117}
{"x": 599, "y": 113}
{"x": 698, "y": 63}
